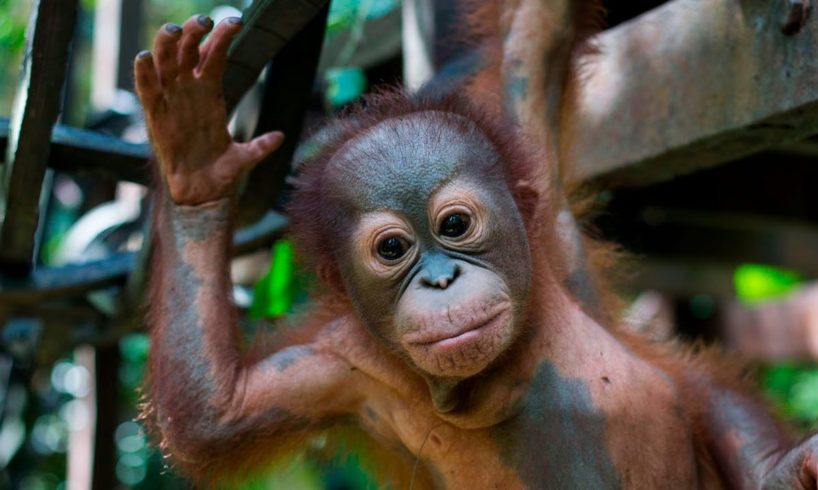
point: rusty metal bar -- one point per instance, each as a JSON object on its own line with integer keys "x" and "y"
{"x": 35, "y": 111}
{"x": 691, "y": 84}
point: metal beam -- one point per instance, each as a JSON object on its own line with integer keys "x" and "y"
{"x": 691, "y": 84}
{"x": 49, "y": 283}
{"x": 269, "y": 26}
{"x": 36, "y": 109}
{"x": 287, "y": 90}
{"x": 75, "y": 150}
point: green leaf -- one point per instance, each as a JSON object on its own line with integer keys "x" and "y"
{"x": 273, "y": 295}
{"x": 755, "y": 283}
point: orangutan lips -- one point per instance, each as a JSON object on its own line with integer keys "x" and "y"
{"x": 464, "y": 333}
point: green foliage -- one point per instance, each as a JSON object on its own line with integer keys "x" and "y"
{"x": 794, "y": 390}
{"x": 13, "y": 20}
{"x": 755, "y": 283}
{"x": 344, "y": 85}
{"x": 345, "y": 13}
{"x": 792, "y": 387}
{"x": 274, "y": 294}
{"x": 297, "y": 472}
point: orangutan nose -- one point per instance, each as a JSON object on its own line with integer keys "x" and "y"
{"x": 439, "y": 271}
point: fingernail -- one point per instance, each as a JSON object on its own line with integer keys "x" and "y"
{"x": 234, "y": 20}
{"x": 173, "y": 28}
{"x": 204, "y": 21}
{"x": 143, "y": 54}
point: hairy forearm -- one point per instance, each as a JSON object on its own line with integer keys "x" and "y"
{"x": 207, "y": 397}
{"x": 194, "y": 359}
{"x": 744, "y": 439}
{"x": 538, "y": 56}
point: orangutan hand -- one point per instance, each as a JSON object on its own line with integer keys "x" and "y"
{"x": 180, "y": 86}
{"x": 797, "y": 469}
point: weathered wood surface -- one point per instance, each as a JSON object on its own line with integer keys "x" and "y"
{"x": 691, "y": 84}
{"x": 36, "y": 109}
{"x": 269, "y": 26}
{"x": 728, "y": 239}
{"x": 681, "y": 277}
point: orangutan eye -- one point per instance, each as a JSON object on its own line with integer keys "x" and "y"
{"x": 455, "y": 225}
{"x": 393, "y": 248}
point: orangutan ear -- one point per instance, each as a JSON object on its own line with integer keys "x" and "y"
{"x": 329, "y": 274}
{"x": 528, "y": 198}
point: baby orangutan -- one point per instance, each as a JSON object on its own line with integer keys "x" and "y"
{"x": 447, "y": 332}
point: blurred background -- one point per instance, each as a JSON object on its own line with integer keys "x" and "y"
{"x": 725, "y": 252}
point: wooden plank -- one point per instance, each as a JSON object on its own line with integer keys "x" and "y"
{"x": 729, "y": 239}
{"x": 131, "y": 36}
{"x": 106, "y": 394}
{"x": 680, "y": 277}
{"x": 691, "y": 84}
{"x": 418, "y": 42}
{"x": 269, "y": 26}
{"x": 36, "y": 109}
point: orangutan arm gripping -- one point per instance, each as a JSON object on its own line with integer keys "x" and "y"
{"x": 206, "y": 399}
{"x": 539, "y": 53}
{"x": 749, "y": 446}
{"x": 542, "y": 41}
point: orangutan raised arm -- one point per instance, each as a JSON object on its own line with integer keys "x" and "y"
{"x": 206, "y": 399}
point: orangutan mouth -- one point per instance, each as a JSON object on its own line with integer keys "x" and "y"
{"x": 467, "y": 332}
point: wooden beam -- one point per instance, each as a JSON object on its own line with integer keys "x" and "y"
{"x": 680, "y": 277}
{"x": 691, "y": 84}
{"x": 46, "y": 283}
{"x": 36, "y": 109}
{"x": 269, "y": 26}
{"x": 728, "y": 239}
